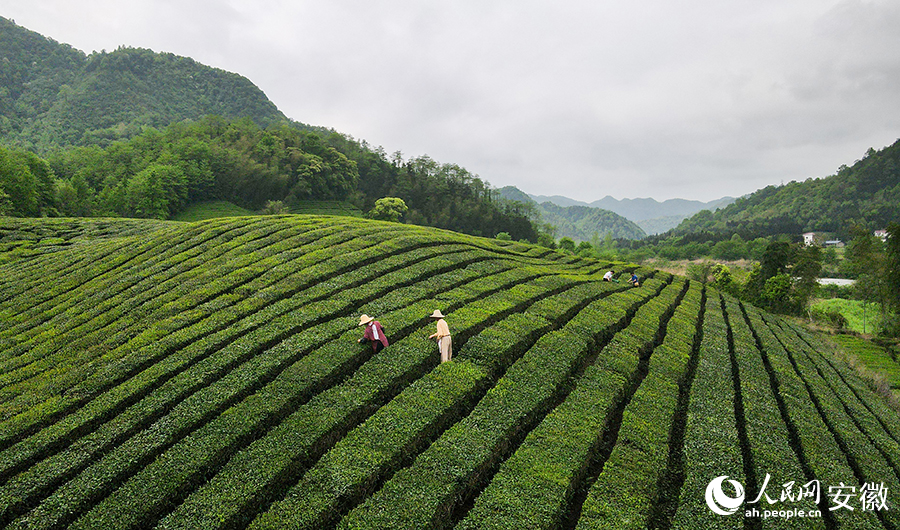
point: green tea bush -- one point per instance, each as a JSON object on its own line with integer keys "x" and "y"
{"x": 444, "y": 475}
{"x": 768, "y": 438}
{"x": 712, "y": 446}
{"x": 208, "y": 375}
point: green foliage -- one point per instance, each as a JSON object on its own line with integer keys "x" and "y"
{"x": 875, "y": 264}
{"x": 622, "y": 494}
{"x": 800, "y": 371}
{"x": 776, "y": 292}
{"x": 892, "y": 264}
{"x": 440, "y": 195}
{"x": 567, "y": 245}
{"x": 580, "y": 223}
{"x": 729, "y": 249}
{"x": 805, "y": 274}
{"x": 858, "y": 199}
{"x": 546, "y": 240}
{"x": 27, "y": 186}
{"x": 274, "y": 208}
{"x": 854, "y": 315}
{"x": 340, "y": 208}
{"x": 712, "y": 444}
{"x": 829, "y": 317}
{"x": 785, "y": 279}
{"x": 388, "y": 209}
{"x": 765, "y": 430}
{"x": 443, "y": 475}
{"x": 503, "y": 236}
{"x": 158, "y": 173}
{"x": 862, "y": 253}
{"x": 585, "y": 249}
{"x": 111, "y": 107}
{"x": 724, "y": 281}
{"x": 701, "y": 272}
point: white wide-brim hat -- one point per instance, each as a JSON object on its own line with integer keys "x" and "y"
{"x": 365, "y": 319}
{"x": 436, "y": 314}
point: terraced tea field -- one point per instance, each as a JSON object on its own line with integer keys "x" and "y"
{"x": 207, "y": 375}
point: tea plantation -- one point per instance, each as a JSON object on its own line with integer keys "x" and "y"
{"x": 208, "y": 375}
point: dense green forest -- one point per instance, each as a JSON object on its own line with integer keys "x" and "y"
{"x": 157, "y": 173}
{"x": 160, "y": 172}
{"x": 140, "y": 134}
{"x": 866, "y": 194}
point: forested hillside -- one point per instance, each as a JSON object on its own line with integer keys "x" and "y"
{"x": 53, "y": 95}
{"x": 866, "y": 194}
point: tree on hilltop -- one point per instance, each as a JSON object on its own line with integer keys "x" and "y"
{"x": 388, "y": 209}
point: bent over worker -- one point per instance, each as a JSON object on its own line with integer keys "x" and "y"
{"x": 442, "y": 335}
{"x": 374, "y": 333}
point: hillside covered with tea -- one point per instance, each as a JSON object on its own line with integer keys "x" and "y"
{"x": 208, "y": 375}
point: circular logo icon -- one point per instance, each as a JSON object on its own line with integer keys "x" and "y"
{"x": 721, "y": 503}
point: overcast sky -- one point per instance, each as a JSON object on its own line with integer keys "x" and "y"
{"x": 695, "y": 99}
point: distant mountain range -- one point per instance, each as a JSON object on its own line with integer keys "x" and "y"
{"x": 651, "y": 215}
{"x": 648, "y": 215}
{"x": 578, "y": 222}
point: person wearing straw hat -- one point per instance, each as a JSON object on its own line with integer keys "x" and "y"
{"x": 374, "y": 333}
{"x": 442, "y": 336}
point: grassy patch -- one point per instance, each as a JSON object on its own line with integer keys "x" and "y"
{"x": 327, "y": 208}
{"x": 211, "y": 210}
{"x": 861, "y": 317}
{"x": 876, "y": 358}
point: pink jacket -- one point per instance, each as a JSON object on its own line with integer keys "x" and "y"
{"x": 371, "y": 328}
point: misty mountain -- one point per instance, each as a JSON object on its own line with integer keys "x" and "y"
{"x": 641, "y": 209}
{"x": 651, "y": 215}
{"x": 578, "y": 222}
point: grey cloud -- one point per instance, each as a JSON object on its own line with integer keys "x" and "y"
{"x": 693, "y": 99}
